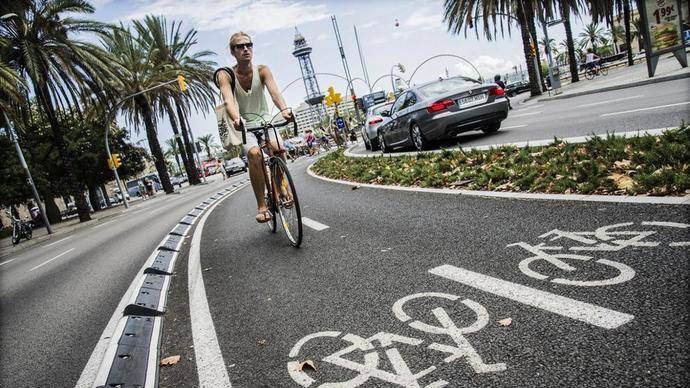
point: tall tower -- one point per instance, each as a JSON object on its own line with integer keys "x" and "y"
{"x": 311, "y": 85}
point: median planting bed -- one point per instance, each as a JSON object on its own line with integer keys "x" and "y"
{"x": 649, "y": 165}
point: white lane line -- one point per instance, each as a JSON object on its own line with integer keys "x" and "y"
{"x": 104, "y": 223}
{"x": 59, "y": 241}
{"x": 607, "y": 101}
{"x": 514, "y": 126}
{"x": 526, "y": 114}
{"x": 674, "y": 244}
{"x": 56, "y": 257}
{"x": 571, "y": 308}
{"x": 317, "y": 226}
{"x": 209, "y": 359}
{"x": 643, "y": 109}
{"x": 531, "y": 107}
{"x": 8, "y": 261}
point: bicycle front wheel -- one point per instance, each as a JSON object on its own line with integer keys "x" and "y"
{"x": 589, "y": 74}
{"x": 287, "y": 204}
{"x": 604, "y": 70}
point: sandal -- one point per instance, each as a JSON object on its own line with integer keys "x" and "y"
{"x": 263, "y": 217}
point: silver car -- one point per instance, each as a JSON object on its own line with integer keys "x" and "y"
{"x": 373, "y": 122}
{"x": 442, "y": 109}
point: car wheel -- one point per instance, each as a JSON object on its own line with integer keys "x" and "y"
{"x": 374, "y": 144}
{"x": 418, "y": 138}
{"x": 382, "y": 144}
{"x": 491, "y": 128}
{"x": 367, "y": 145}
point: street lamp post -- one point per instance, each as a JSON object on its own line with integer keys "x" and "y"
{"x": 29, "y": 179}
{"x": 401, "y": 68}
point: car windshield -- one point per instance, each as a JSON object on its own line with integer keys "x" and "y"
{"x": 446, "y": 86}
{"x": 377, "y": 110}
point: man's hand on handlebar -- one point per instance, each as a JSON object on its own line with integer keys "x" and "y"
{"x": 287, "y": 115}
{"x": 237, "y": 123}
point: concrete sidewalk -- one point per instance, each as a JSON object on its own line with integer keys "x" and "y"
{"x": 40, "y": 234}
{"x": 622, "y": 76}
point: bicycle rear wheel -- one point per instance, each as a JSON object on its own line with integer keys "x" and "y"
{"x": 288, "y": 204}
{"x": 590, "y": 74}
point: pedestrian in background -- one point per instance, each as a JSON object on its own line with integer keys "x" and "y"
{"x": 497, "y": 80}
{"x": 142, "y": 189}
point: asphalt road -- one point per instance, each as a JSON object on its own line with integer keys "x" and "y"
{"x": 56, "y": 297}
{"x": 658, "y": 105}
{"x": 408, "y": 289}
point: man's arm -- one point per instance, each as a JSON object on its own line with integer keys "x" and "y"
{"x": 270, "y": 83}
{"x": 229, "y": 97}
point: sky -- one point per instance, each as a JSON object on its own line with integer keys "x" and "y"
{"x": 420, "y": 34}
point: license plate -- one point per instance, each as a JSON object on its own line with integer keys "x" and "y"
{"x": 472, "y": 100}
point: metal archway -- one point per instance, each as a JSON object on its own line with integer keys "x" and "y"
{"x": 445, "y": 55}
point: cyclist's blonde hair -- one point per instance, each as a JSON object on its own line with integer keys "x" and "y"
{"x": 236, "y": 36}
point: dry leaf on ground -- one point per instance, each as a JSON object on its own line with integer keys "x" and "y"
{"x": 308, "y": 364}
{"x": 505, "y": 321}
{"x": 622, "y": 164}
{"x": 622, "y": 181}
{"x": 262, "y": 342}
{"x": 172, "y": 360}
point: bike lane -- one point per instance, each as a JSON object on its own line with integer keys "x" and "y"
{"x": 414, "y": 289}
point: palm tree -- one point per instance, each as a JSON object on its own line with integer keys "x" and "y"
{"x": 208, "y": 142}
{"x": 460, "y": 15}
{"x": 174, "y": 49}
{"x": 38, "y": 41}
{"x": 592, "y": 36}
{"x": 604, "y": 10}
{"x": 138, "y": 71}
{"x": 173, "y": 151}
{"x": 617, "y": 33}
{"x": 568, "y": 7}
{"x": 551, "y": 45}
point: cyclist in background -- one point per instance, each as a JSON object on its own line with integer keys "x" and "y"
{"x": 246, "y": 103}
{"x": 591, "y": 59}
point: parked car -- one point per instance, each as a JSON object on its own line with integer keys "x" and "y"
{"x": 442, "y": 109}
{"x": 372, "y": 123}
{"x": 234, "y": 165}
{"x": 176, "y": 181}
{"x": 515, "y": 88}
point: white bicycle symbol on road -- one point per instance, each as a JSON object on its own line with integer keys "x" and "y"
{"x": 607, "y": 238}
{"x": 402, "y": 373}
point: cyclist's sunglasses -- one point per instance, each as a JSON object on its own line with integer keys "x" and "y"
{"x": 242, "y": 46}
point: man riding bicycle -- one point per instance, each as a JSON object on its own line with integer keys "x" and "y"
{"x": 591, "y": 59}
{"x": 248, "y": 104}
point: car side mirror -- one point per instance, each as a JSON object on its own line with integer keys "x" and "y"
{"x": 385, "y": 113}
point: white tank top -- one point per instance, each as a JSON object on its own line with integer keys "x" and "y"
{"x": 252, "y": 102}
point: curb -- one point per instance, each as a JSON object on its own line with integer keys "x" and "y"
{"x": 618, "y": 87}
{"x": 129, "y": 354}
{"x": 542, "y": 142}
{"x": 513, "y": 195}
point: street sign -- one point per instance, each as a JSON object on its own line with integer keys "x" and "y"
{"x": 340, "y": 123}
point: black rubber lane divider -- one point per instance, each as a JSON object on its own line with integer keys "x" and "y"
{"x": 132, "y": 361}
{"x": 138, "y": 344}
{"x": 172, "y": 243}
{"x": 180, "y": 229}
{"x": 189, "y": 219}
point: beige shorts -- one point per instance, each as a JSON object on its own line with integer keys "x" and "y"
{"x": 252, "y": 141}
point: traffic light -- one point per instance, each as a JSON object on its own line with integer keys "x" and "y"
{"x": 181, "y": 83}
{"x": 117, "y": 162}
{"x": 114, "y": 161}
{"x": 532, "y": 50}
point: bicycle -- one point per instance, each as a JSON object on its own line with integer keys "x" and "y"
{"x": 280, "y": 192}
{"x": 20, "y": 229}
{"x": 596, "y": 69}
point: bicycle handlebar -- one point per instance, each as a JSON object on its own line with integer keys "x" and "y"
{"x": 261, "y": 128}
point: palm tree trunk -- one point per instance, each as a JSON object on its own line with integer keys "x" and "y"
{"x": 154, "y": 145}
{"x": 565, "y": 14}
{"x": 524, "y": 32}
{"x": 41, "y": 91}
{"x": 105, "y": 195}
{"x": 530, "y": 16}
{"x": 194, "y": 176}
{"x": 180, "y": 144}
{"x": 628, "y": 37}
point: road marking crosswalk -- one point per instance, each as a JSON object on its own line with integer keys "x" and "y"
{"x": 314, "y": 224}
{"x": 567, "y": 307}
{"x": 643, "y": 109}
{"x": 54, "y": 258}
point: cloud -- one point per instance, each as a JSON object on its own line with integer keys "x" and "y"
{"x": 423, "y": 19}
{"x": 251, "y": 16}
{"x": 487, "y": 66}
{"x": 324, "y": 36}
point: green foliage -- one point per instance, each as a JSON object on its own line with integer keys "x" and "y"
{"x": 653, "y": 165}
